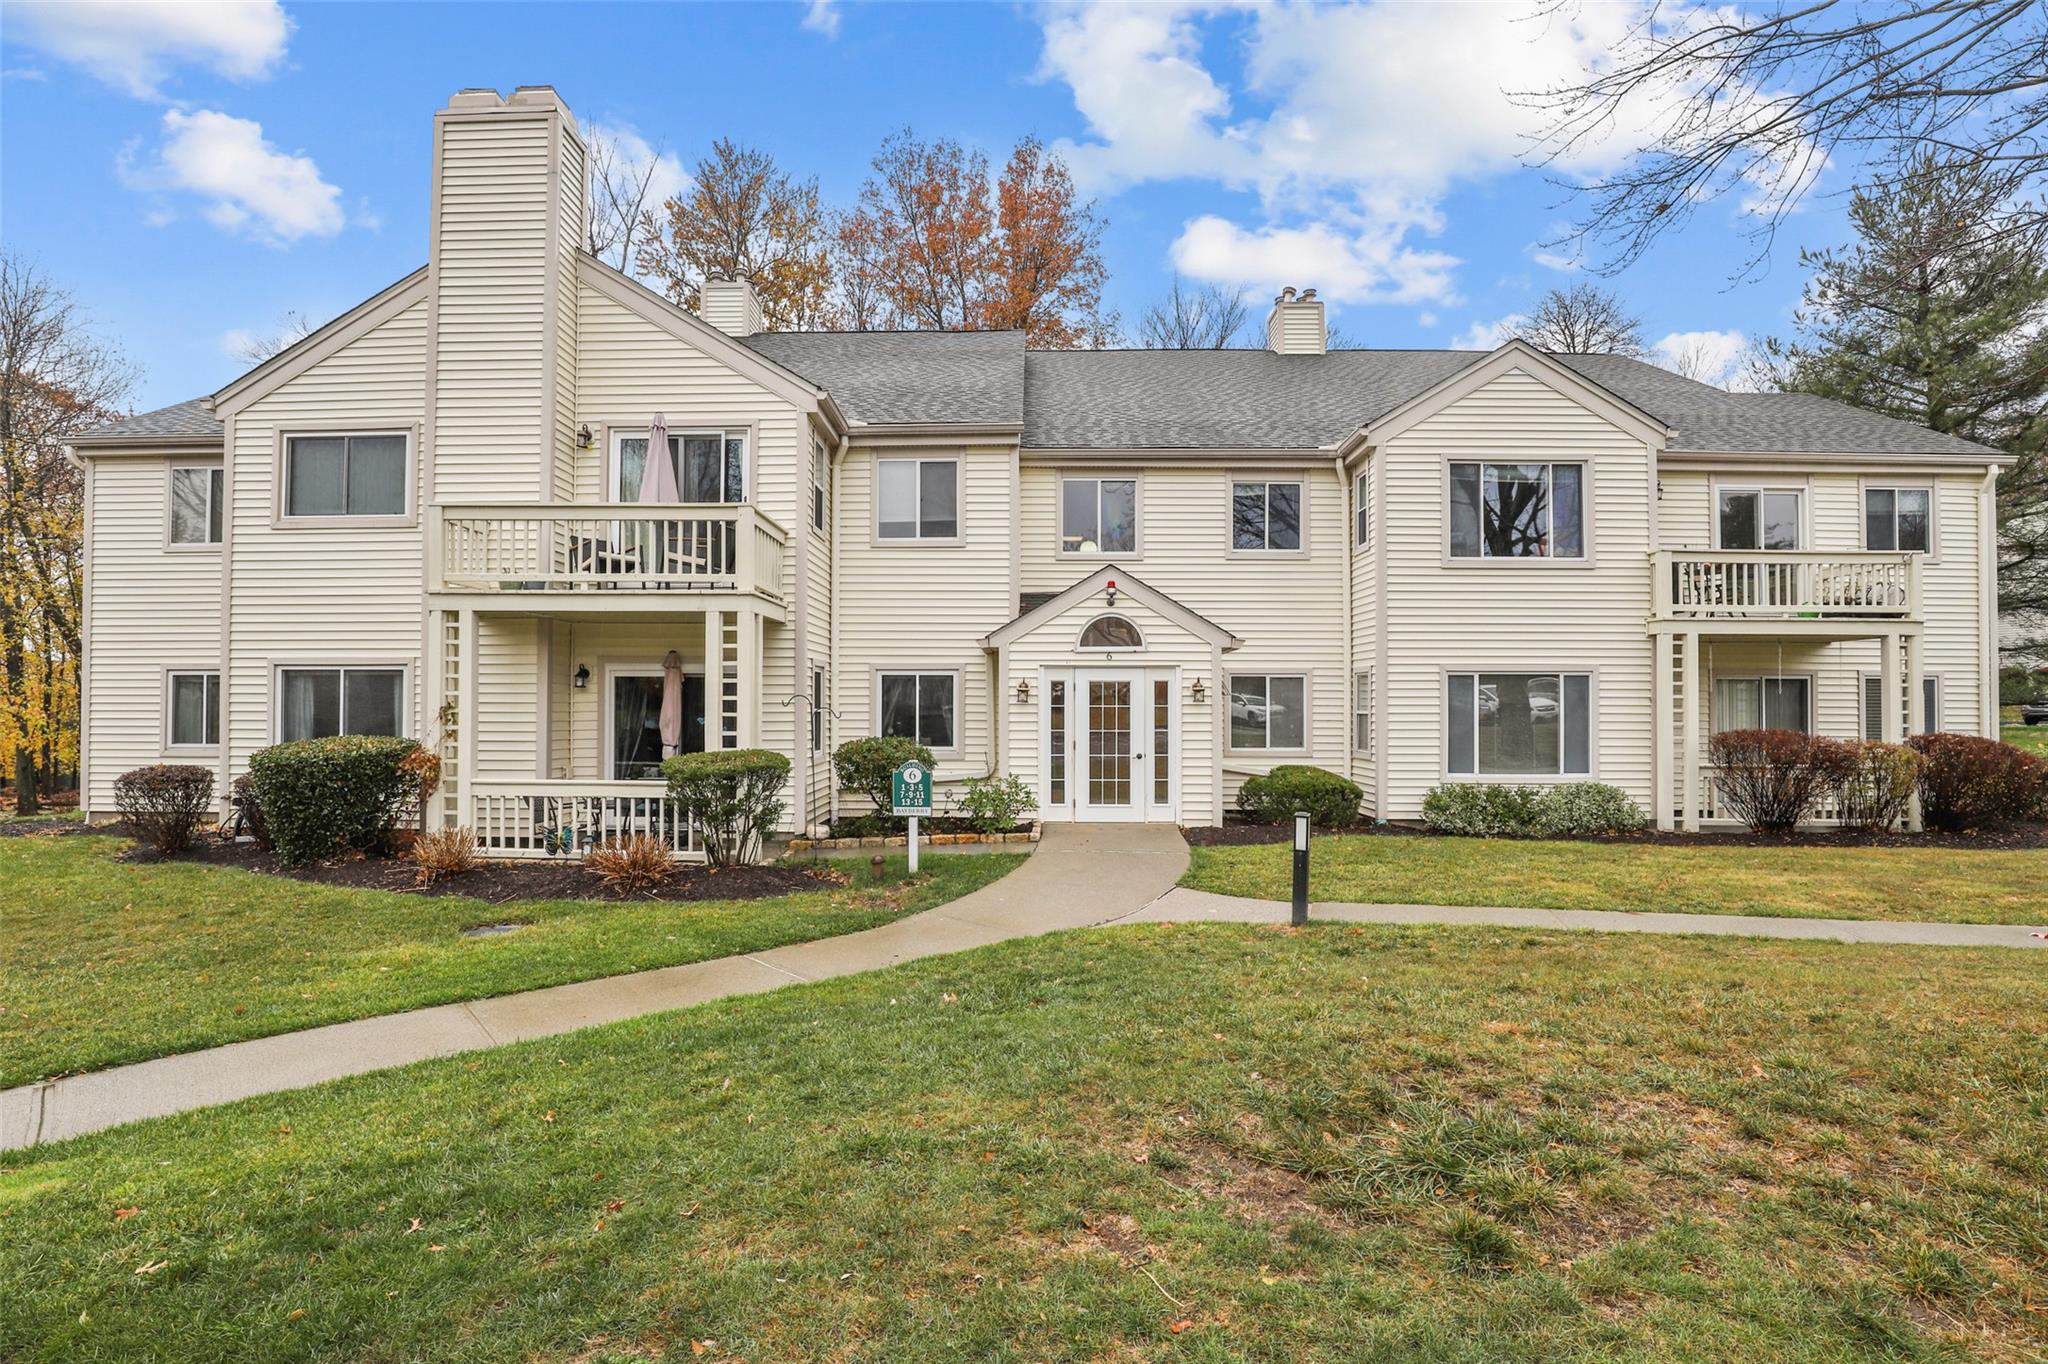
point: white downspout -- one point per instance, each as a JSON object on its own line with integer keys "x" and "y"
{"x": 834, "y": 471}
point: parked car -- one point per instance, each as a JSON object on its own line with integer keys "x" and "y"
{"x": 2034, "y": 713}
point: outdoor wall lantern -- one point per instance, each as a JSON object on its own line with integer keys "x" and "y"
{"x": 1111, "y": 594}
{"x": 582, "y": 676}
{"x": 1023, "y": 690}
{"x": 584, "y": 440}
{"x": 1198, "y": 693}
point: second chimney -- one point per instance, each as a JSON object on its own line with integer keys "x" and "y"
{"x": 731, "y": 305}
{"x": 1295, "y": 326}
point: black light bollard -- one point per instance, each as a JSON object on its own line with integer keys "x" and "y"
{"x": 1300, "y": 868}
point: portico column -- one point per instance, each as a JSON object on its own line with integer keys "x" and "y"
{"x": 1916, "y": 699}
{"x": 1661, "y": 704}
{"x": 749, "y": 653}
{"x": 1689, "y": 756}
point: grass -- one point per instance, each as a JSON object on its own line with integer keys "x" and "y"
{"x": 1207, "y": 1142}
{"x": 1948, "y": 885}
{"x": 109, "y": 962}
{"x": 2033, "y": 738}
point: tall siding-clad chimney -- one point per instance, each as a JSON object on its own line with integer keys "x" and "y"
{"x": 732, "y": 306}
{"x": 508, "y": 219}
{"x": 1295, "y": 326}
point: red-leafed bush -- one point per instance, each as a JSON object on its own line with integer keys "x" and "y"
{"x": 1771, "y": 779}
{"x": 1966, "y": 781}
{"x": 1879, "y": 786}
{"x": 164, "y": 804}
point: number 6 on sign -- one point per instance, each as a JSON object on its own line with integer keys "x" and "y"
{"x": 910, "y": 793}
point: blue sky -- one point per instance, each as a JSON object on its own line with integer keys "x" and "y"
{"x": 192, "y": 172}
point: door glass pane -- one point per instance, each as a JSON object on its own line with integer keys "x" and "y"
{"x": 1248, "y": 712}
{"x": 703, "y": 468}
{"x": 938, "y": 482}
{"x": 310, "y": 707}
{"x": 1738, "y": 521}
{"x": 1287, "y": 723}
{"x": 376, "y": 475}
{"x": 1464, "y": 511}
{"x": 1578, "y": 725}
{"x": 190, "y": 523}
{"x": 372, "y": 700}
{"x": 1109, "y": 743}
{"x": 693, "y": 713}
{"x": 897, "y": 498}
{"x": 1056, "y": 742}
{"x": 735, "y": 469}
{"x": 636, "y": 728}
{"x": 1568, "y": 511}
{"x": 1519, "y": 730}
{"x": 632, "y": 468}
{"x": 1781, "y": 520}
{"x": 1248, "y": 515}
{"x": 935, "y": 710}
{"x": 1162, "y": 730}
{"x": 1880, "y": 531}
{"x": 1914, "y": 521}
{"x": 1459, "y": 746}
{"x": 1517, "y": 511}
{"x": 899, "y": 706}
{"x": 1785, "y": 703}
{"x": 1119, "y": 516}
{"x": 1283, "y": 516}
{"x": 314, "y": 476}
{"x": 1077, "y": 515}
{"x": 1737, "y": 704}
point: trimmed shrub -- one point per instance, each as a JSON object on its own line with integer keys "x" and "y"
{"x": 1878, "y": 787}
{"x": 164, "y": 804}
{"x": 1331, "y": 800}
{"x": 1482, "y": 810}
{"x": 631, "y": 865}
{"x": 1771, "y": 779}
{"x": 733, "y": 795}
{"x": 1588, "y": 807}
{"x": 1966, "y": 781}
{"x": 323, "y": 796}
{"x": 248, "y": 811}
{"x": 865, "y": 766}
{"x": 991, "y": 805}
{"x": 449, "y": 852}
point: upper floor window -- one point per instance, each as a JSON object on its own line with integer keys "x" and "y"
{"x": 1098, "y": 515}
{"x": 314, "y": 703}
{"x": 917, "y": 499}
{"x": 195, "y": 505}
{"x": 1518, "y": 511}
{"x": 1759, "y": 518}
{"x": 345, "y": 475}
{"x": 1361, "y": 496}
{"x": 1265, "y": 516}
{"x": 709, "y": 466}
{"x": 1898, "y": 518}
{"x": 819, "y": 476}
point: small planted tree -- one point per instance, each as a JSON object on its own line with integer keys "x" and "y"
{"x": 865, "y": 765}
{"x": 164, "y": 804}
{"x": 1771, "y": 779}
{"x": 1879, "y": 785}
{"x": 734, "y": 796}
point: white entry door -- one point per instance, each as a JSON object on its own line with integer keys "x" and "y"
{"x": 1123, "y": 740}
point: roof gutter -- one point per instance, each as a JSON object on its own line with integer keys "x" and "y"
{"x": 1008, "y": 432}
{"x": 85, "y": 447}
{"x": 1923, "y": 459}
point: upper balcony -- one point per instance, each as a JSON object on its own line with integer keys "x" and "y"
{"x": 605, "y": 555}
{"x": 1799, "y": 591}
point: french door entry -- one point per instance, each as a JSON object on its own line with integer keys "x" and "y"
{"x": 1110, "y": 744}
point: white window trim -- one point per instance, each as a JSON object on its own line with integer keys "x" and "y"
{"x": 1443, "y": 725}
{"x": 1931, "y": 720}
{"x": 1097, "y": 650}
{"x": 282, "y": 519}
{"x": 613, "y": 435}
{"x": 403, "y": 667}
{"x": 1361, "y": 510}
{"x": 219, "y": 717}
{"x": 912, "y": 670}
{"x": 1586, "y": 559}
{"x": 1300, "y": 478}
{"x": 1059, "y": 515}
{"x": 920, "y": 540}
{"x": 171, "y": 470}
{"x": 1799, "y": 485}
{"x": 1864, "y": 486}
{"x": 1308, "y": 712}
{"x": 1749, "y": 675}
{"x": 1361, "y": 734}
{"x": 820, "y": 510}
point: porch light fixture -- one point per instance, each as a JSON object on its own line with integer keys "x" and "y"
{"x": 1198, "y": 693}
{"x": 582, "y": 676}
{"x": 1110, "y": 596}
{"x": 584, "y": 440}
{"x": 1023, "y": 690}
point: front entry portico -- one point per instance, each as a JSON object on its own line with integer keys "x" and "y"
{"x": 1119, "y": 742}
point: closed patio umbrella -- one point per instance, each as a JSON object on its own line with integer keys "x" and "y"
{"x": 658, "y": 478}
{"x": 671, "y": 704}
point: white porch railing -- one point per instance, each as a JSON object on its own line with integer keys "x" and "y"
{"x": 1714, "y": 810}
{"x": 1785, "y": 584}
{"x": 565, "y": 819}
{"x": 625, "y": 547}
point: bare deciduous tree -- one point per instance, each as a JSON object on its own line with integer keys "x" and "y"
{"x": 257, "y": 347}
{"x": 1583, "y": 320}
{"x": 1208, "y": 318}
{"x": 621, "y": 188}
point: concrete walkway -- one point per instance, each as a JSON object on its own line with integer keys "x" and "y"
{"x": 1080, "y": 876}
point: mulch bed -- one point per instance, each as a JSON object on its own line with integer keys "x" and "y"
{"x": 506, "y": 882}
{"x": 2006, "y": 838}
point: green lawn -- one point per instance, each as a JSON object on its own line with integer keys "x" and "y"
{"x": 107, "y": 962}
{"x": 2033, "y": 738}
{"x": 1943, "y": 884}
{"x": 1206, "y": 1143}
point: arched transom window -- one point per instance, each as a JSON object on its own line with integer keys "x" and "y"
{"x": 1111, "y": 632}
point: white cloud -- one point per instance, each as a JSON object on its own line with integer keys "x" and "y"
{"x": 136, "y": 44}
{"x": 823, "y": 17}
{"x": 236, "y": 341}
{"x": 1489, "y": 335}
{"x": 247, "y": 185}
{"x": 1712, "y": 357}
{"x": 1368, "y": 265}
{"x": 1552, "y": 261}
{"x": 633, "y": 154}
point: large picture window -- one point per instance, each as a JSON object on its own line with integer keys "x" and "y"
{"x": 1758, "y": 518}
{"x": 196, "y": 505}
{"x": 1898, "y": 519}
{"x": 920, "y": 706}
{"x": 1518, "y": 511}
{"x": 1520, "y": 724}
{"x": 315, "y": 703}
{"x": 917, "y": 499}
{"x": 710, "y": 466}
{"x": 345, "y": 475}
{"x": 1763, "y": 703}
{"x": 1268, "y": 711}
{"x": 1265, "y": 516}
{"x": 1098, "y": 515}
{"x": 193, "y": 710}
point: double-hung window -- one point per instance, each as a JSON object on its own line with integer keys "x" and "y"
{"x": 1898, "y": 519}
{"x": 1758, "y": 518}
{"x": 1518, "y": 511}
{"x": 920, "y": 706}
{"x": 709, "y": 466}
{"x": 195, "y": 504}
{"x": 1361, "y": 496}
{"x": 819, "y": 475}
{"x": 1361, "y": 712}
{"x": 345, "y": 475}
{"x": 1520, "y": 724}
{"x": 1763, "y": 703}
{"x": 192, "y": 710}
{"x": 1265, "y": 516}
{"x": 1873, "y": 705}
{"x": 917, "y": 499}
{"x": 1268, "y": 710}
{"x": 817, "y": 710}
{"x": 314, "y": 703}
{"x": 1098, "y": 515}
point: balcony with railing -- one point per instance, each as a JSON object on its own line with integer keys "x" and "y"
{"x": 553, "y": 548}
{"x": 1785, "y": 585}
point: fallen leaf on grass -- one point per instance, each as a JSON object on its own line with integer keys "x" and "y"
{"x": 1180, "y": 1325}
{"x": 153, "y": 1266}
{"x": 415, "y": 1226}
{"x": 123, "y": 1214}
{"x": 615, "y": 1205}
{"x": 437, "y": 1248}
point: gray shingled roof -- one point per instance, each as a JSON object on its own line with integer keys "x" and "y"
{"x": 887, "y": 377}
{"x": 186, "y": 421}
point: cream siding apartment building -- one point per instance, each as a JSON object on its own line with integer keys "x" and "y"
{"x": 1130, "y": 579}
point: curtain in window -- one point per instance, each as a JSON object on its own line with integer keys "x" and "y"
{"x": 312, "y": 704}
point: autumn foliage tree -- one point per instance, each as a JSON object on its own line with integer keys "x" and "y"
{"x": 743, "y": 218}
{"x": 1049, "y": 273}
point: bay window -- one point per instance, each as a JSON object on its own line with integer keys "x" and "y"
{"x": 1518, "y": 511}
{"x": 1520, "y": 724}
